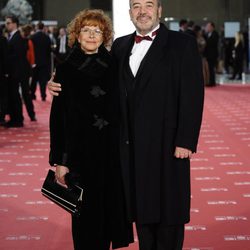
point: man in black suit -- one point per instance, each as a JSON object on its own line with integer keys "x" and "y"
{"x": 183, "y": 25}
{"x": 190, "y": 28}
{"x": 211, "y": 52}
{"x": 3, "y": 78}
{"x": 161, "y": 92}
{"x": 161, "y": 99}
{"x": 62, "y": 47}
{"x": 41, "y": 72}
{"x": 18, "y": 68}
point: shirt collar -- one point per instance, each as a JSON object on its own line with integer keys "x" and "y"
{"x": 13, "y": 32}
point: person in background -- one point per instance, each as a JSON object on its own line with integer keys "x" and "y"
{"x": 84, "y": 125}
{"x": 246, "y": 46}
{"x": 201, "y": 41}
{"x": 211, "y": 52}
{"x": 25, "y": 84}
{"x": 42, "y": 69}
{"x": 62, "y": 48}
{"x": 52, "y": 32}
{"x": 183, "y": 25}
{"x": 26, "y": 31}
{"x": 190, "y": 28}
{"x": 161, "y": 97}
{"x": 3, "y": 77}
{"x": 18, "y": 70}
{"x": 238, "y": 56}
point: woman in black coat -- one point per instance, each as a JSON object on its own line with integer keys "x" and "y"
{"x": 238, "y": 56}
{"x": 83, "y": 133}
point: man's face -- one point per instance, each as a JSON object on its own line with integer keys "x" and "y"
{"x": 184, "y": 27}
{"x": 10, "y": 26}
{"x": 145, "y": 15}
{"x": 209, "y": 28}
{"x": 62, "y": 32}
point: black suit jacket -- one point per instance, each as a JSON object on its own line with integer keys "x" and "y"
{"x": 42, "y": 47}
{"x": 58, "y": 43}
{"x": 167, "y": 105}
{"x": 3, "y": 56}
{"x": 3, "y": 72}
{"x": 59, "y": 56}
{"x": 18, "y": 65}
{"x": 211, "y": 49}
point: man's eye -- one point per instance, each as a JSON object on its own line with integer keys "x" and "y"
{"x": 136, "y": 6}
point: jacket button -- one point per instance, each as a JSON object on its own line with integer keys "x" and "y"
{"x": 127, "y": 142}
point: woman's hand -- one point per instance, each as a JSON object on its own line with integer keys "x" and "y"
{"x": 54, "y": 87}
{"x": 61, "y": 171}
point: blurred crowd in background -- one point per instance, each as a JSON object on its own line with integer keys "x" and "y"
{"x": 30, "y": 52}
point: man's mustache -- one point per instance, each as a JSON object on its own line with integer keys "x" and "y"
{"x": 142, "y": 16}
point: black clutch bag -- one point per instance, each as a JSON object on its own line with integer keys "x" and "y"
{"x": 68, "y": 198}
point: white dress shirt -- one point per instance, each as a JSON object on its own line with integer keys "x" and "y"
{"x": 139, "y": 50}
{"x": 11, "y": 34}
{"x": 62, "y": 48}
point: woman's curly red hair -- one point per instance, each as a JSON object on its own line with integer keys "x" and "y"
{"x": 89, "y": 17}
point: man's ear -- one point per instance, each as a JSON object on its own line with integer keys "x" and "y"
{"x": 160, "y": 12}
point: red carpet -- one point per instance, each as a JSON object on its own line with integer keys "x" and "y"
{"x": 220, "y": 217}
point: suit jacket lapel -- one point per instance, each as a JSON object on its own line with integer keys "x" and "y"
{"x": 150, "y": 61}
{"x": 126, "y": 54}
{"x": 154, "y": 55}
{"x": 14, "y": 36}
{"x": 123, "y": 65}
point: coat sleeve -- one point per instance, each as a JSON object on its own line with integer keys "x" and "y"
{"x": 191, "y": 97}
{"x": 58, "y": 152}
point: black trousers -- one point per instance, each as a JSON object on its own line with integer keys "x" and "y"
{"x": 27, "y": 97}
{"x": 41, "y": 74}
{"x": 160, "y": 237}
{"x": 14, "y": 101}
{"x": 237, "y": 68}
{"x": 3, "y": 98}
{"x": 212, "y": 73}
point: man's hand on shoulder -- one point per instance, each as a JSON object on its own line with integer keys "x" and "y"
{"x": 54, "y": 87}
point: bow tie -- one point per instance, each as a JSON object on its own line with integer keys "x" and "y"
{"x": 138, "y": 38}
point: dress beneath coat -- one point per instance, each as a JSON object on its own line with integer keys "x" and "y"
{"x": 83, "y": 132}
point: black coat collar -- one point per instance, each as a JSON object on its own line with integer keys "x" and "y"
{"x": 92, "y": 64}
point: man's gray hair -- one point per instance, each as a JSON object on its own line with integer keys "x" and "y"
{"x": 158, "y": 1}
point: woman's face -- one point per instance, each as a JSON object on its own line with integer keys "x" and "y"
{"x": 90, "y": 39}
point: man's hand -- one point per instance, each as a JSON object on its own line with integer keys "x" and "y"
{"x": 61, "y": 171}
{"x": 54, "y": 87}
{"x": 182, "y": 153}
